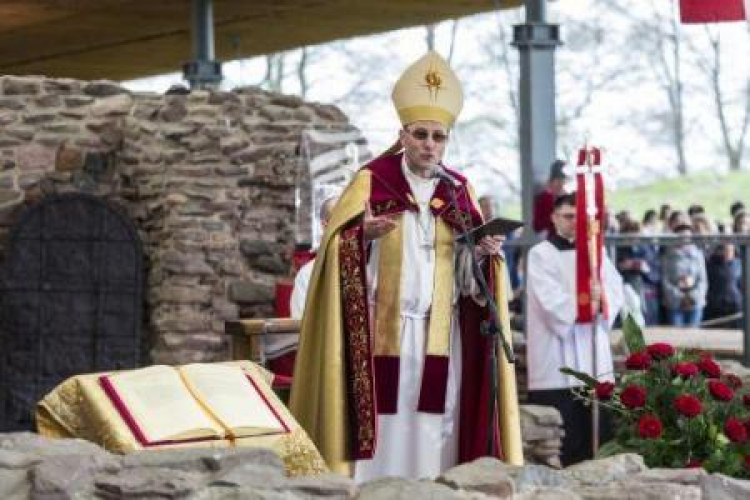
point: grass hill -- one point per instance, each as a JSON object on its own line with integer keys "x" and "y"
{"x": 715, "y": 191}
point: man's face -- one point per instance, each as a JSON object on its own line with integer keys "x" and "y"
{"x": 564, "y": 219}
{"x": 424, "y": 143}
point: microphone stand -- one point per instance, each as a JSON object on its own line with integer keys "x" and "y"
{"x": 491, "y": 327}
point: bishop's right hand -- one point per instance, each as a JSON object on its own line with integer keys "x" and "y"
{"x": 376, "y": 227}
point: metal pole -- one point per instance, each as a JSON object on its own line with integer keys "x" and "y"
{"x": 203, "y": 30}
{"x": 536, "y": 42}
{"x": 204, "y": 71}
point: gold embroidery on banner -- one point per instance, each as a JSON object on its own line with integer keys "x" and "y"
{"x": 356, "y": 322}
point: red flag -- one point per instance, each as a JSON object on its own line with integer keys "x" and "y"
{"x": 712, "y": 11}
{"x": 589, "y": 235}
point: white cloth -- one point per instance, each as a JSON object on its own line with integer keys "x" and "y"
{"x": 413, "y": 444}
{"x": 299, "y": 292}
{"x": 278, "y": 345}
{"x": 554, "y": 340}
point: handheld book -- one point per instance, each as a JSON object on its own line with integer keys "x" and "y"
{"x": 164, "y": 404}
{"x": 498, "y": 225}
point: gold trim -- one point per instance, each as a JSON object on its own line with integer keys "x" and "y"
{"x": 412, "y": 114}
{"x": 438, "y": 338}
{"x": 387, "y": 329}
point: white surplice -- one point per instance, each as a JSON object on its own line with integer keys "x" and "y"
{"x": 554, "y": 339}
{"x": 413, "y": 444}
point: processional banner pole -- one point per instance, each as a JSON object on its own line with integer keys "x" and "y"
{"x": 589, "y": 252}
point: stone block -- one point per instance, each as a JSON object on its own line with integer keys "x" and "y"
{"x": 103, "y": 88}
{"x": 488, "y": 476}
{"x": 20, "y": 85}
{"x": 393, "y": 488}
{"x": 250, "y": 292}
{"x": 605, "y": 470}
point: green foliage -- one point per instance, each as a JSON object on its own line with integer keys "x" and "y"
{"x": 632, "y": 334}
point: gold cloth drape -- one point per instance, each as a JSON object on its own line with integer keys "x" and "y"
{"x": 79, "y": 408}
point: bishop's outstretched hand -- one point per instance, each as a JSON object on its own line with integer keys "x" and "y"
{"x": 376, "y": 227}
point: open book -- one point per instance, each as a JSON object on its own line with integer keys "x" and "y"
{"x": 164, "y": 404}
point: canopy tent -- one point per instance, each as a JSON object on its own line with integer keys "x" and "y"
{"x": 126, "y": 39}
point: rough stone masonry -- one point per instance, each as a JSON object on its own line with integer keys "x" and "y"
{"x": 208, "y": 178}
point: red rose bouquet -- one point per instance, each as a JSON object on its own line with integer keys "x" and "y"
{"x": 676, "y": 408}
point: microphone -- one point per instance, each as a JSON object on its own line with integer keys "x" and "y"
{"x": 443, "y": 175}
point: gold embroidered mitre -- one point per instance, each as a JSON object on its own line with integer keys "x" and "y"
{"x": 428, "y": 90}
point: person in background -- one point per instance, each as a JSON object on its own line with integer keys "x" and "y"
{"x": 555, "y": 339}
{"x": 650, "y": 224}
{"x": 544, "y": 201}
{"x": 741, "y": 223}
{"x": 281, "y": 350}
{"x": 735, "y": 208}
{"x": 302, "y": 279}
{"x": 724, "y": 297}
{"x": 639, "y": 267}
{"x": 664, "y": 212}
{"x": 487, "y": 206}
{"x": 684, "y": 278}
{"x": 695, "y": 209}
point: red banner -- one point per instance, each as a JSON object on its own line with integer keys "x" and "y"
{"x": 589, "y": 232}
{"x": 712, "y": 11}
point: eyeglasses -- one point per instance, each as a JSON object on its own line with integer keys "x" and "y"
{"x": 421, "y": 134}
{"x": 567, "y": 216}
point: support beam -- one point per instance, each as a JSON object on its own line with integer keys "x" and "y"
{"x": 204, "y": 71}
{"x": 536, "y": 42}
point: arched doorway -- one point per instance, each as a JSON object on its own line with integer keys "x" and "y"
{"x": 70, "y": 300}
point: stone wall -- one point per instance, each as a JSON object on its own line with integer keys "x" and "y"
{"x": 207, "y": 177}
{"x": 35, "y": 467}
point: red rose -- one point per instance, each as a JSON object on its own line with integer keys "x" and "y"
{"x": 746, "y": 399}
{"x": 638, "y": 361}
{"x": 709, "y": 367}
{"x": 685, "y": 370}
{"x": 604, "y": 390}
{"x": 649, "y": 427}
{"x": 633, "y": 396}
{"x": 733, "y": 380}
{"x": 720, "y": 391}
{"x": 735, "y": 430}
{"x": 694, "y": 464}
{"x": 688, "y": 405}
{"x": 660, "y": 350}
{"x": 747, "y": 426}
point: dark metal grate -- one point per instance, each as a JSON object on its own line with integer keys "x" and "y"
{"x": 70, "y": 300}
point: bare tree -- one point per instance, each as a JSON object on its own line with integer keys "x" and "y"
{"x": 302, "y": 72}
{"x": 658, "y": 36}
{"x": 274, "y": 77}
{"x": 711, "y": 64}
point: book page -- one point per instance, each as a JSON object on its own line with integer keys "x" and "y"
{"x": 161, "y": 405}
{"x": 232, "y": 399}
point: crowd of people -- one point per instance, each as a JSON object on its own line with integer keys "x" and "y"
{"x": 687, "y": 283}
{"x": 682, "y": 284}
